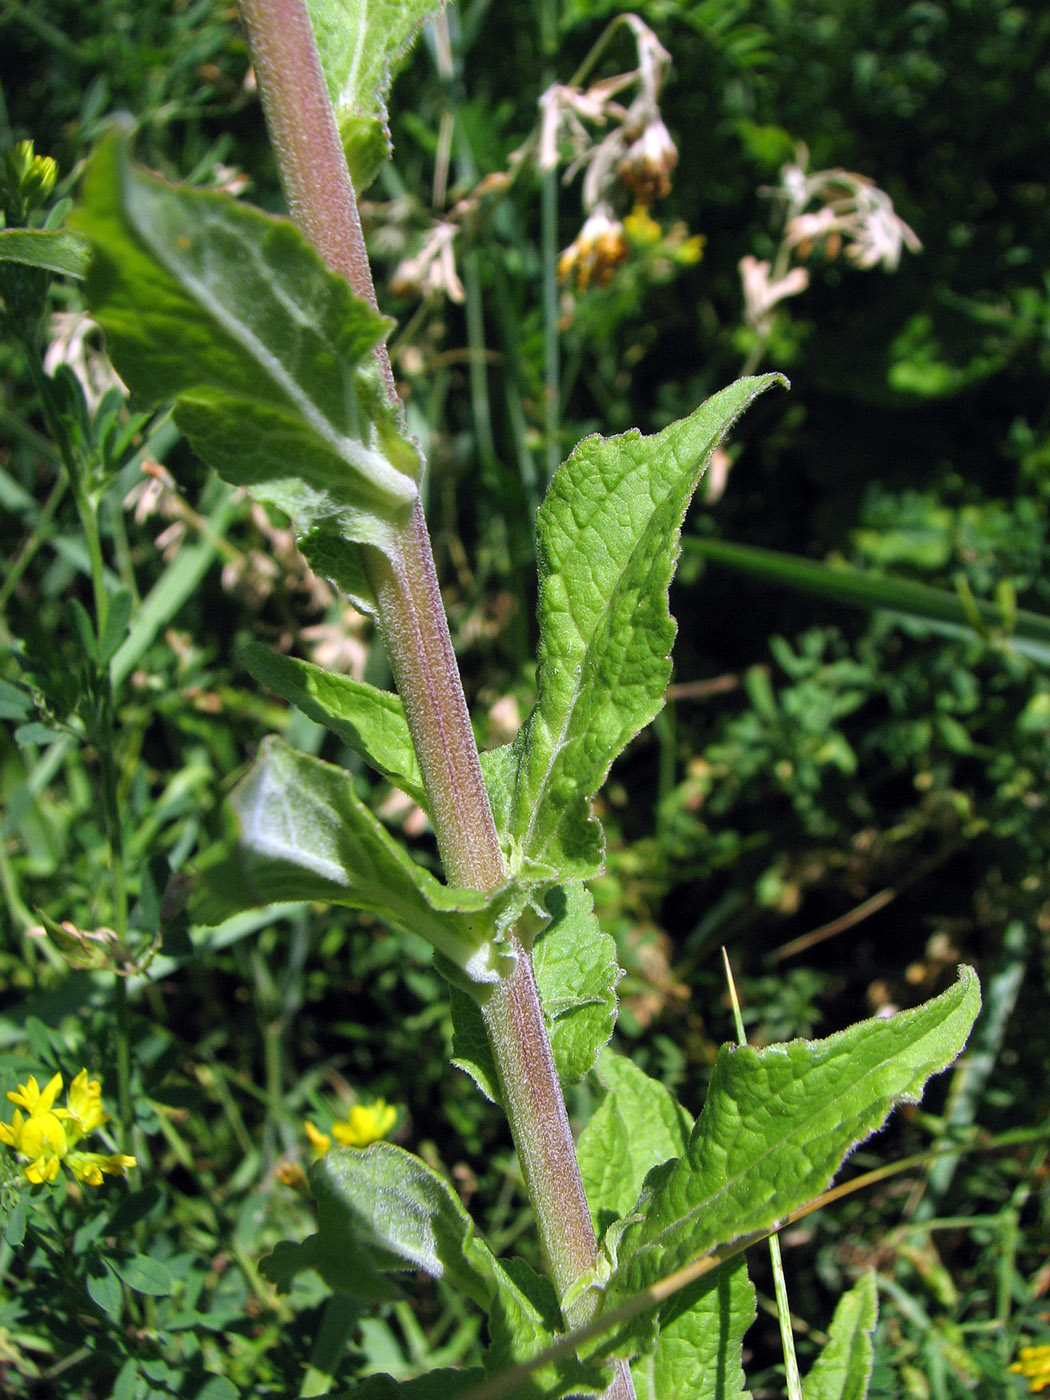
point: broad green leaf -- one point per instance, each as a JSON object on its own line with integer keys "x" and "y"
{"x": 361, "y": 44}
{"x": 700, "y": 1340}
{"x": 842, "y": 1371}
{"x": 607, "y": 536}
{"x": 936, "y": 608}
{"x": 385, "y": 1210}
{"x": 638, "y": 1125}
{"x": 54, "y": 250}
{"x": 305, "y": 835}
{"x": 775, "y": 1128}
{"x": 370, "y": 720}
{"x": 266, "y": 352}
{"x": 576, "y": 975}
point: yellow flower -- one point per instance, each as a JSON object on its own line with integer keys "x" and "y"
{"x": 320, "y": 1142}
{"x": 30, "y": 1095}
{"x": 47, "y": 1139}
{"x": 641, "y": 228}
{"x": 41, "y": 1139}
{"x": 364, "y": 1124}
{"x": 85, "y": 1103}
{"x": 1034, "y": 1363}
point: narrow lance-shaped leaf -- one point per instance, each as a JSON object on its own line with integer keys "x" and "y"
{"x": 607, "y": 535}
{"x": 842, "y": 1371}
{"x": 361, "y": 44}
{"x": 266, "y": 352}
{"x": 775, "y": 1128}
{"x": 304, "y": 834}
{"x": 936, "y": 608}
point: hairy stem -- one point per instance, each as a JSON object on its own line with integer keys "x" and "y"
{"x": 412, "y": 618}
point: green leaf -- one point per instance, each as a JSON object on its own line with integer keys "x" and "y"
{"x": 435, "y": 1385}
{"x": 361, "y": 44}
{"x": 115, "y": 625}
{"x": 371, "y": 721}
{"x": 700, "y": 1340}
{"x": 638, "y": 1125}
{"x": 576, "y": 975}
{"x": 54, "y": 250}
{"x": 842, "y": 1371}
{"x": 266, "y": 352}
{"x": 936, "y": 608}
{"x": 305, "y": 835}
{"x": 104, "y": 1289}
{"x": 143, "y": 1275}
{"x": 775, "y": 1128}
{"x": 607, "y": 535}
{"x": 385, "y": 1210}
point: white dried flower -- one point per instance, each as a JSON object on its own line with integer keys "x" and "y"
{"x": 431, "y": 272}
{"x": 71, "y": 345}
{"x": 597, "y": 250}
{"x": 761, "y": 293}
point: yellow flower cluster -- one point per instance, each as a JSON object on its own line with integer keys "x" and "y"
{"x": 46, "y": 1137}
{"x": 363, "y": 1124}
{"x": 1034, "y": 1363}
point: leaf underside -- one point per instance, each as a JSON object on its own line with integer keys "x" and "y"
{"x": 265, "y": 351}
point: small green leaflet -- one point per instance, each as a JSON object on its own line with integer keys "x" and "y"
{"x": 361, "y": 44}
{"x": 266, "y": 352}
{"x": 775, "y": 1128}
{"x": 607, "y": 535}
{"x": 842, "y": 1371}
{"x": 576, "y": 975}
{"x": 304, "y": 834}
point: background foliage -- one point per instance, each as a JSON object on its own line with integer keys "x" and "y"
{"x": 817, "y": 771}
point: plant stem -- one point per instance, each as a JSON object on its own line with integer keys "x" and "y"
{"x": 412, "y": 618}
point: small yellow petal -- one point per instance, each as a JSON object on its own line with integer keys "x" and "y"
{"x": 320, "y": 1142}
{"x": 365, "y": 1124}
